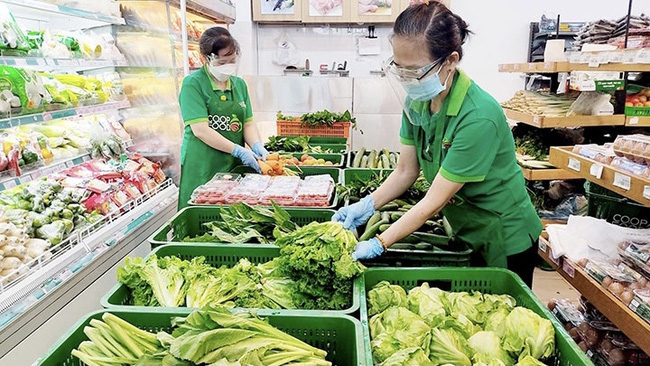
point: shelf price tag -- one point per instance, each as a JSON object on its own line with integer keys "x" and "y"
{"x": 646, "y": 192}
{"x": 574, "y": 164}
{"x": 69, "y": 164}
{"x": 568, "y": 269}
{"x": 25, "y": 179}
{"x": 634, "y": 121}
{"x": 622, "y": 181}
{"x": 21, "y": 62}
{"x": 596, "y": 170}
{"x": 634, "y": 304}
{"x": 11, "y": 183}
{"x": 551, "y": 256}
{"x": 542, "y": 245}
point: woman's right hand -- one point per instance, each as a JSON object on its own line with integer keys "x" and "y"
{"x": 247, "y": 157}
{"x": 357, "y": 214}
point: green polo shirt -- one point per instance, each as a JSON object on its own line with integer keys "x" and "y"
{"x": 197, "y": 89}
{"x": 479, "y": 151}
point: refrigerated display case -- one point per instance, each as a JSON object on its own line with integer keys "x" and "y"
{"x": 115, "y": 67}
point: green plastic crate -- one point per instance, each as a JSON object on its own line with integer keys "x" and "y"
{"x": 616, "y": 209}
{"x": 366, "y": 174}
{"x": 339, "y": 335}
{"x": 353, "y": 154}
{"x": 486, "y": 280}
{"x": 328, "y": 140}
{"x": 335, "y": 148}
{"x": 218, "y": 255}
{"x": 189, "y": 222}
{"x": 338, "y": 160}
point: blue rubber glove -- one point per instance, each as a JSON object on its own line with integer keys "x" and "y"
{"x": 247, "y": 157}
{"x": 259, "y": 150}
{"x": 368, "y": 249}
{"x": 357, "y": 214}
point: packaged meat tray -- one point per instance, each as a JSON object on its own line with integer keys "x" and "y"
{"x": 215, "y": 190}
{"x": 282, "y": 191}
{"x": 315, "y": 190}
{"x": 636, "y": 148}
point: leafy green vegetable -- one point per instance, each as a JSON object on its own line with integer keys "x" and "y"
{"x": 488, "y": 351}
{"x": 461, "y": 324}
{"x": 165, "y": 276}
{"x": 317, "y": 257}
{"x": 396, "y": 328}
{"x": 528, "y": 334}
{"x": 358, "y": 187}
{"x": 288, "y": 143}
{"x": 130, "y": 275}
{"x": 466, "y": 304}
{"x": 494, "y": 321}
{"x": 531, "y": 144}
{"x": 326, "y": 118}
{"x": 385, "y": 295}
{"x": 449, "y": 347}
{"x": 241, "y": 223}
{"x": 428, "y": 303}
{"x": 215, "y": 336}
{"x": 408, "y": 357}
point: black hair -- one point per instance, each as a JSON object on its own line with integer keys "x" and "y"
{"x": 216, "y": 39}
{"x": 443, "y": 31}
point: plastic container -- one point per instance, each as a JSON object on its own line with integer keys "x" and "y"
{"x": 616, "y": 209}
{"x": 459, "y": 257}
{"x": 295, "y": 128}
{"x": 338, "y": 160}
{"x": 189, "y": 222}
{"x": 218, "y": 255}
{"x": 334, "y": 148}
{"x": 487, "y": 280}
{"x": 339, "y": 335}
{"x": 637, "y": 111}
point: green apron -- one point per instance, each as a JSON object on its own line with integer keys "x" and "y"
{"x": 480, "y": 228}
{"x": 200, "y": 162}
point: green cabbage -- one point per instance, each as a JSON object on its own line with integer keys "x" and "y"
{"x": 460, "y": 324}
{"x": 428, "y": 303}
{"x": 528, "y": 334}
{"x": 495, "y": 302}
{"x": 495, "y": 321}
{"x": 408, "y": 357}
{"x": 466, "y": 304}
{"x": 396, "y": 328}
{"x": 487, "y": 350}
{"x": 385, "y": 295}
{"x": 530, "y": 361}
{"x": 449, "y": 347}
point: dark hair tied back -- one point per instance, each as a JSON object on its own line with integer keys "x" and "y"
{"x": 443, "y": 31}
{"x": 216, "y": 39}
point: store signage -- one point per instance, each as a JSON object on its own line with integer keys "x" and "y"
{"x": 574, "y": 164}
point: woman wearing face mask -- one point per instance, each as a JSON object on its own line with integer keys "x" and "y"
{"x": 217, "y": 114}
{"x": 457, "y": 134}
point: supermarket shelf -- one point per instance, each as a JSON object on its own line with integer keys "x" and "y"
{"x": 112, "y": 243}
{"x": 554, "y": 67}
{"x": 637, "y": 121}
{"x": 72, "y": 112}
{"x": 625, "y": 319}
{"x": 616, "y": 180}
{"x": 571, "y": 121}
{"x": 60, "y": 63}
{"x": 30, "y": 175}
{"x": 216, "y": 10}
{"x": 547, "y": 174}
{"x": 66, "y": 11}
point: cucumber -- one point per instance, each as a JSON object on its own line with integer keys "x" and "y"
{"x": 384, "y": 227}
{"x": 374, "y": 219}
{"x": 371, "y": 231}
{"x": 403, "y": 209}
{"x": 394, "y": 216}
{"x": 357, "y": 158}
{"x": 432, "y": 223}
{"x": 410, "y": 239}
{"x": 364, "y": 162}
{"x": 423, "y": 246}
{"x": 385, "y": 163}
{"x": 432, "y": 239}
{"x": 354, "y": 199}
{"x": 402, "y": 246}
{"x": 389, "y": 207}
{"x": 401, "y": 202}
{"x": 385, "y": 216}
{"x": 371, "y": 159}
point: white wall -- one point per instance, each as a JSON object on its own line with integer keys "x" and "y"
{"x": 501, "y": 30}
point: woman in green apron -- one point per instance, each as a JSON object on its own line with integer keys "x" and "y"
{"x": 457, "y": 135}
{"x": 217, "y": 115}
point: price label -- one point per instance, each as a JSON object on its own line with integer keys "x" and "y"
{"x": 69, "y": 164}
{"x": 646, "y": 192}
{"x": 41, "y": 62}
{"x": 568, "y": 269}
{"x": 37, "y": 174}
{"x": 10, "y": 184}
{"x": 86, "y": 158}
{"x": 596, "y": 170}
{"x": 515, "y": 66}
{"x": 531, "y": 66}
{"x": 590, "y": 354}
{"x": 633, "y": 121}
{"x": 542, "y": 245}
{"x": 548, "y": 65}
{"x": 574, "y": 164}
{"x": 25, "y": 179}
{"x": 536, "y": 120}
{"x": 622, "y": 181}
{"x": 50, "y": 62}
{"x": 551, "y": 256}
{"x": 21, "y": 62}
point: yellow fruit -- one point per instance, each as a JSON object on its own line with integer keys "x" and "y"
{"x": 321, "y": 161}
{"x": 328, "y": 163}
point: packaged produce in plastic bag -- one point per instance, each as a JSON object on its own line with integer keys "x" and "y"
{"x": 591, "y": 104}
{"x": 12, "y": 38}
{"x": 27, "y": 85}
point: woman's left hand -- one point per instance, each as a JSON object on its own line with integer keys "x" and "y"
{"x": 259, "y": 150}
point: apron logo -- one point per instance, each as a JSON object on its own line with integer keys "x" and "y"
{"x": 219, "y": 123}
{"x": 242, "y": 104}
{"x": 235, "y": 125}
{"x": 446, "y": 143}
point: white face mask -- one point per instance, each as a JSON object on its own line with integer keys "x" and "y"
{"x": 223, "y": 72}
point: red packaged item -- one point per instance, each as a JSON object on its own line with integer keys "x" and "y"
{"x": 120, "y": 198}
{"x": 131, "y": 190}
{"x": 131, "y": 166}
{"x": 159, "y": 176}
{"x": 138, "y": 179}
{"x": 98, "y": 186}
{"x": 79, "y": 171}
{"x": 13, "y": 157}
{"x": 148, "y": 167}
{"x": 100, "y": 202}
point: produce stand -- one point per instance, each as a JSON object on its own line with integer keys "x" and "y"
{"x": 487, "y": 280}
{"x": 623, "y": 317}
{"x": 572, "y": 121}
{"x": 339, "y": 335}
{"x": 546, "y": 174}
{"x": 338, "y": 160}
{"x": 189, "y": 222}
{"x": 218, "y": 255}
